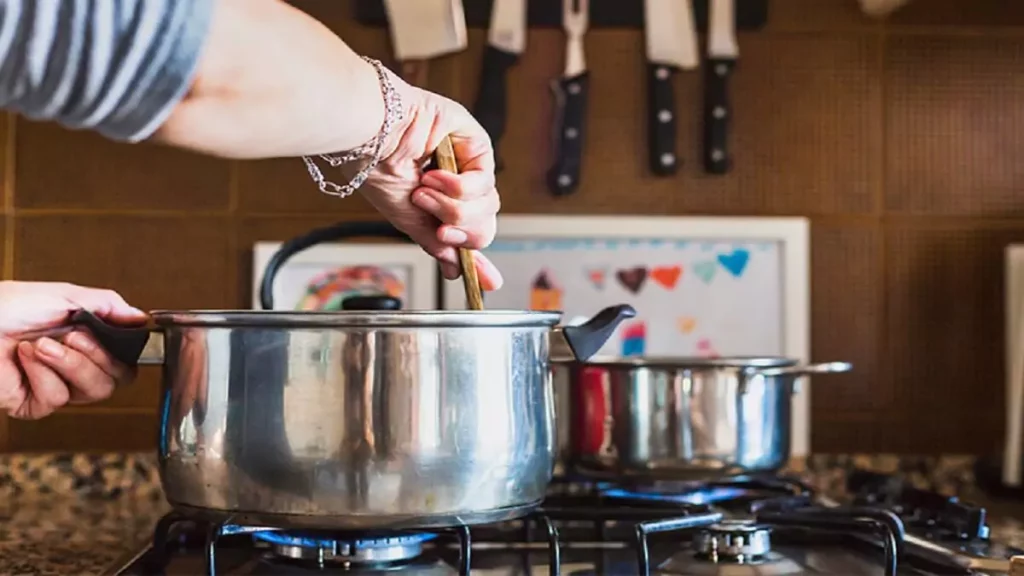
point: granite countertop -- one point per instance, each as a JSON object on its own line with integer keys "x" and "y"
{"x": 83, "y": 513}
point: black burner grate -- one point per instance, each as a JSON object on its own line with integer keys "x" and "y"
{"x": 630, "y": 513}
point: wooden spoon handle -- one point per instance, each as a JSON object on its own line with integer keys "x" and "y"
{"x": 445, "y": 155}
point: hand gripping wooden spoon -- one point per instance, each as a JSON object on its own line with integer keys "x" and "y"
{"x": 445, "y": 156}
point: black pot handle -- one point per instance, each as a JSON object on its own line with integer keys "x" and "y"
{"x": 125, "y": 344}
{"x": 339, "y": 231}
{"x": 585, "y": 340}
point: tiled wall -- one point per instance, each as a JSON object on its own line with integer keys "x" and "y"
{"x": 904, "y": 143}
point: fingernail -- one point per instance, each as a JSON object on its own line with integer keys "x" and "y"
{"x": 81, "y": 342}
{"x": 449, "y": 271}
{"x": 135, "y": 310}
{"x": 426, "y": 201}
{"x": 430, "y": 181}
{"x": 490, "y": 272}
{"x": 454, "y": 236}
{"x": 51, "y": 348}
{"x": 26, "y": 348}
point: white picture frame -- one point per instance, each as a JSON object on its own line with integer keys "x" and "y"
{"x": 421, "y": 275}
{"x": 792, "y": 233}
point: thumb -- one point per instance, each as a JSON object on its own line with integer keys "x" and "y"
{"x": 106, "y": 304}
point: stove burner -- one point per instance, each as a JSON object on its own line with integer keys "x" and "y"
{"x": 734, "y": 541}
{"x": 753, "y": 494}
{"x": 349, "y": 551}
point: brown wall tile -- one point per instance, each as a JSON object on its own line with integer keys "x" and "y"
{"x": 58, "y": 168}
{"x": 143, "y": 393}
{"x": 944, "y": 334}
{"x": 818, "y": 15}
{"x": 85, "y": 432}
{"x": 846, "y": 320}
{"x": 958, "y": 13}
{"x": 154, "y": 262}
{"x": 283, "y": 186}
{"x": 955, "y": 125}
{"x": 805, "y": 136}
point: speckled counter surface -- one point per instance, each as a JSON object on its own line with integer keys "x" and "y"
{"x": 82, "y": 513}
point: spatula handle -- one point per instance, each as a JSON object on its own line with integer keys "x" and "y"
{"x": 445, "y": 156}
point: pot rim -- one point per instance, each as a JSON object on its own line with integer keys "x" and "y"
{"x": 691, "y": 362}
{"x": 357, "y": 319}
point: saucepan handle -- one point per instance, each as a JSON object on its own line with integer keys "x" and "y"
{"x": 131, "y": 346}
{"x": 806, "y": 370}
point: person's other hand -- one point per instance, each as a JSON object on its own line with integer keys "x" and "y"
{"x": 40, "y": 376}
{"x": 438, "y": 210}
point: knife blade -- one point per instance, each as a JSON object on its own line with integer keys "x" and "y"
{"x": 671, "y": 45}
{"x": 425, "y": 29}
{"x": 570, "y": 92}
{"x": 723, "y": 52}
{"x": 506, "y": 40}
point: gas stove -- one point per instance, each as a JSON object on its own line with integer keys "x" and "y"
{"x": 752, "y": 526}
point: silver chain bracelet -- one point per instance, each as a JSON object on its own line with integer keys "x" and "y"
{"x": 393, "y": 113}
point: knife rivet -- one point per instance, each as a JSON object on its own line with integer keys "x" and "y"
{"x": 571, "y": 133}
{"x": 721, "y": 69}
{"x": 564, "y": 180}
{"x": 719, "y": 112}
{"x": 667, "y": 159}
{"x": 574, "y": 88}
{"x": 717, "y": 155}
{"x": 664, "y": 116}
{"x": 661, "y": 73}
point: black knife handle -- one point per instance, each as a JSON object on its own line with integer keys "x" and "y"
{"x": 491, "y": 106}
{"x": 661, "y": 121}
{"x": 717, "y": 113}
{"x": 571, "y": 99}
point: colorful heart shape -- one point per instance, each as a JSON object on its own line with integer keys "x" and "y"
{"x": 597, "y": 277}
{"x": 705, "y": 271}
{"x": 736, "y": 262}
{"x": 632, "y": 279}
{"x": 687, "y": 324}
{"x": 667, "y": 276}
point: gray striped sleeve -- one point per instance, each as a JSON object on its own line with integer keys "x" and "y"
{"x": 114, "y": 66}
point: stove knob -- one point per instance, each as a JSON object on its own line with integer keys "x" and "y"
{"x": 1016, "y": 566}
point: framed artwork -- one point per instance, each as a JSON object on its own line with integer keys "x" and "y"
{"x": 320, "y": 277}
{"x": 701, "y": 286}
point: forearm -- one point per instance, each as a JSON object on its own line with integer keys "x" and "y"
{"x": 233, "y": 78}
{"x": 271, "y": 82}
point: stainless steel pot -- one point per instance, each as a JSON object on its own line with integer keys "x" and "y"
{"x": 368, "y": 418}
{"x": 681, "y": 418}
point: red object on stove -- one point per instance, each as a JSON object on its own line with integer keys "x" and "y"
{"x": 589, "y": 409}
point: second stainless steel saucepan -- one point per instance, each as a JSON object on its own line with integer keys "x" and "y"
{"x": 680, "y": 418}
{"x": 372, "y": 417}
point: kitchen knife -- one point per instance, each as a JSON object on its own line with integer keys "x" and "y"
{"x": 506, "y": 40}
{"x": 671, "y": 44}
{"x": 570, "y": 93}
{"x": 424, "y": 29}
{"x": 722, "y": 54}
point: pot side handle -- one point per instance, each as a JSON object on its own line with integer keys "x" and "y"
{"x": 129, "y": 345}
{"x": 822, "y": 368}
{"x": 585, "y": 340}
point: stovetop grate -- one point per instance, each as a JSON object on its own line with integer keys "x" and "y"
{"x": 635, "y": 514}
